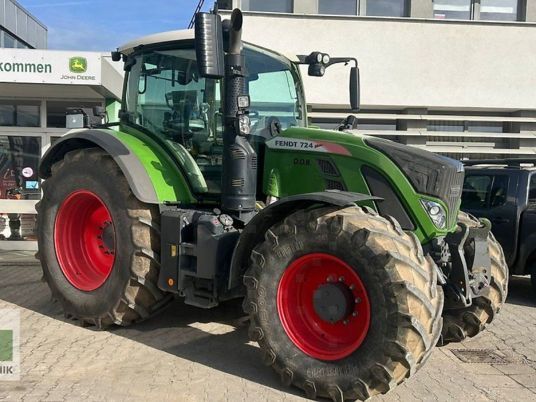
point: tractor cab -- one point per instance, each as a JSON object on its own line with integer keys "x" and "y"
{"x": 166, "y": 97}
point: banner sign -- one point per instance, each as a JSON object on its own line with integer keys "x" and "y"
{"x": 50, "y": 67}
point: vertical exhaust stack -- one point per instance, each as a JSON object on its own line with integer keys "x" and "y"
{"x": 239, "y": 181}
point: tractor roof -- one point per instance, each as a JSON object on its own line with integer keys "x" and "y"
{"x": 176, "y": 36}
{"x": 162, "y": 37}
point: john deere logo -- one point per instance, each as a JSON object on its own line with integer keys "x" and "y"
{"x": 78, "y": 65}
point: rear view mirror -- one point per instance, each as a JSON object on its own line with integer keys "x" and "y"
{"x": 209, "y": 45}
{"x": 354, "y": 88}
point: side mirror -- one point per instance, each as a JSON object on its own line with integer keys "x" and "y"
{"x": 209, "y": 45}
{"x": 354, "y": 88}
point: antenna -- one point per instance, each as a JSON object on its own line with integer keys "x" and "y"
{"x": 197, "y": 9}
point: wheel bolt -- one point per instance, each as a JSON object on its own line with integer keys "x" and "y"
{"x": 345, "y": 322}
{"x": 357, "y": 300}
{"x": 354, "y": 314}
{"x": 341, "y": 279}
{"x": 352, "y": 287}
{"x": 329, "y": 279}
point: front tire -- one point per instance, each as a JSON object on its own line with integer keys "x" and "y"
{"x": 376, "y": 309}
{"x": 98, "y": 244}
{"x": 462, "y": 323}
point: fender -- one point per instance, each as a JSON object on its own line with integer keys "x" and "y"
{"x": 254, "y": 232}
{"x": 152, "y": 176}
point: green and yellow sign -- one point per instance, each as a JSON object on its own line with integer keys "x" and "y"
{"x": 78, "y": 64}
{"x": 6, "y": 345}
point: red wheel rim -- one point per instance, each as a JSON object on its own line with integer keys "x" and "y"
{"x": 84, "y": 238}
{"x": 304, "y": 284}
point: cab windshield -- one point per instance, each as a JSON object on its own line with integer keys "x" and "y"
{"x": 166, "y": 96}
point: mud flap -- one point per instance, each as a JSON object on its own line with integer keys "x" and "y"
{"x": 470, "y": 275}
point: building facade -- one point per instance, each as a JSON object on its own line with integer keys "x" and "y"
{"x": 19, "y": 29}
{"x": 452, "y": 76}
{"x": 36, "y": 88}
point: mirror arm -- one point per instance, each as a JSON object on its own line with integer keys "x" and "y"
{"x": 345, "y": 60}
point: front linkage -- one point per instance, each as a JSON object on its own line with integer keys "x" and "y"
{"x": 469, "y": 272}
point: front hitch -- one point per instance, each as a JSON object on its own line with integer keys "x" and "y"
{"x": 470, "y": 273}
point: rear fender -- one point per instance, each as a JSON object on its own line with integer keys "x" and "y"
{"x": 152, "y": 176}
{"x": 254, "y": 232}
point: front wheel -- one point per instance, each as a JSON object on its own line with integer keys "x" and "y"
{"x": 343, "y": 304}
{"x": 98, "y": 244}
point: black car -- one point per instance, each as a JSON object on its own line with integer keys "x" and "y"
{"x": 504, "y": 191}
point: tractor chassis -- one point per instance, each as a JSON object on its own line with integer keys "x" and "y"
{"x": 196, "y": 251}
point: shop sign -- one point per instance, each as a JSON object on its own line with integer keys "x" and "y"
{"x": 50, "y": 67}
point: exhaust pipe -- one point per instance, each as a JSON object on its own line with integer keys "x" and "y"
{"x": 239, "y": 178}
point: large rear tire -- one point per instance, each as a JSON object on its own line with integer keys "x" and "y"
{"x": 467, "y": 322}
{"x": 343, "y": 304}
{"x": 98, "y": 245}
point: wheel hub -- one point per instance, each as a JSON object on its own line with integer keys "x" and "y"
{"x": 333, "y": 302}
{"x": 323, "y": 306}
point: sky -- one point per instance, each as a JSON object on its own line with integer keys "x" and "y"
{"x": 104, "y": 25}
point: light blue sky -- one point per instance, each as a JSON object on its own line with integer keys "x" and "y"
{"x": 103, "y": 25}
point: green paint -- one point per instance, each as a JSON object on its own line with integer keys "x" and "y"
{"x": 6, "y": 345}
{"x": 299, "y": 172}
{"x": 169, "y": 183}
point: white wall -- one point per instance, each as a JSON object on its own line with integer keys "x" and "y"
{"x": 411, "y": 63}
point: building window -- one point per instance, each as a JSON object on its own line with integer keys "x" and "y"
{"x": 499, "y": 10}
{"x": 338, "y": 7}
{"x": 451, "y": 126}
{"x": 56, "y": 111}
{"x": 9, "y": 41}
{"x": 478, "y": 127}
{"x": 488, "y": 10}
{"x": 19, "y": 159}
{"x": 387, "y": 8}
{"x": 452, "y": 9}
{"x": 276, "y": 6}
{"x": 19, "y": 114}
{"x": 225, "y": 4}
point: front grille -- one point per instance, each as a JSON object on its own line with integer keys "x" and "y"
{"x": 454, "y": 183}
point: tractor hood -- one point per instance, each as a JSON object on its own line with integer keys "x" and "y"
{"x": 350, "y": 161}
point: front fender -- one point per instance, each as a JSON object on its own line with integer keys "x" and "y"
{"x": 254, "y": 232}
{"x": 152, "y": 176}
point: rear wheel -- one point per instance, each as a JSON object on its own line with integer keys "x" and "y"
{"x": 98, "y": 244}
{"x": 459, "y": 324}
{"x": 343, "y": 304}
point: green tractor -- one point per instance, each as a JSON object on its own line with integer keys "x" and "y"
{"x": 349, "y": 251}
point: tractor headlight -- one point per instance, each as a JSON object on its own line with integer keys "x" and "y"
{"x": 436, "y": 212}
{"x": 244, "y": 124}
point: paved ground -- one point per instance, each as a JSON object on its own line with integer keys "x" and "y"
{"x": 189, "y": 354}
